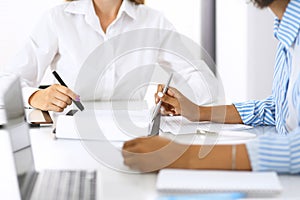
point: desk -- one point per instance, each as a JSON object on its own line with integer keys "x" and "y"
{"x": 114, "y": 185}
{"x": 70, "y": 154}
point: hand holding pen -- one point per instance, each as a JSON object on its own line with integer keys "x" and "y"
{"x": 158, "y": 105}
{"x": 175, "y": 103}
{"x": 76, "y": 101}
{"x": 54, "y": 98}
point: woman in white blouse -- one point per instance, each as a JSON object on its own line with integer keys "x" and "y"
{"x": 67, "y": 35}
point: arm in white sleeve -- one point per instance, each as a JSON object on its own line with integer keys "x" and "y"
{"x": 32, "y": 61}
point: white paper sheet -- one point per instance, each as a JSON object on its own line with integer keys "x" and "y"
{"x": 118, "y": 125}
{"x": 180, "y": 125}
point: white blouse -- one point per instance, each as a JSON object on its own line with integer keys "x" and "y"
{"x": 69, "y": 33}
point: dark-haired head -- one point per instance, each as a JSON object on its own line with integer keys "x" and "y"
{"x": 262, "y": 3}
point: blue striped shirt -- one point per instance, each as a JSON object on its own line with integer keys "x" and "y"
{"x": 281, "y": 152}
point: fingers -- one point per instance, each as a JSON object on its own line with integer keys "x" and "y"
{"x": 66, "y": 91}
{"x": 130, "y": 143}
{"x": 130, "y": 146}
{"x": 63, "y": 98}
{"x": 135, "y": 152}
{"x": 145, "y": 144}
{"x": 149, "y": 153}
{"x": 167, "y": 109}
{"x": 172, "y": 92}
{"x": 131, "y": 162}
{"x": 134, "y": 142}
{"x": 159, "y": 89}
{"x": 54, "y": 108}
{"x": 54, "y": 98}
{"x": 131, "y": 151}
{"x": 141, "y": 164}
{"x": 169, "y": 100}
{"x": 59, "y": 103}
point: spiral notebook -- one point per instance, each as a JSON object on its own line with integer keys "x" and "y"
{"x": 258, "y": 184}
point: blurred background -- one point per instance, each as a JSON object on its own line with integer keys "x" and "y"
{"x": 237, "y": 36}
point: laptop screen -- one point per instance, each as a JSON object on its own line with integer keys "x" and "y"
{"x": 19, "y": 134}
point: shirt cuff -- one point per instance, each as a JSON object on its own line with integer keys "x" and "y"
{"x": 27, "y": 92}
{"x": 252, "y": 148}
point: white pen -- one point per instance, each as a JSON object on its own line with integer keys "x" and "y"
{"x": 157, "y": 108}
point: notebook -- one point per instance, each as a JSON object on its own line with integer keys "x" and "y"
{"x": 259, "y": 184}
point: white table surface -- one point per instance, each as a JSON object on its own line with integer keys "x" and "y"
{"x": 50, "y": 153}
{"x": 71, "y": 154}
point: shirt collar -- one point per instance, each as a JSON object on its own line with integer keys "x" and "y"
{"x": 287, "y": 30}
{"x": 79, "y": 7}
{"x": 84, "y": 7}
{"x": 128, "y": 7}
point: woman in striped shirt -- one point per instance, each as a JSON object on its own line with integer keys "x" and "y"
{"x": 280, "y": 153}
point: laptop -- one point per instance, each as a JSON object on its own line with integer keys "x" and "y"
{"x": 51, "y": 184}
{"x": 34, "y": 117}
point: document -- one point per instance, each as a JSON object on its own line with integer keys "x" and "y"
{"x": 257, "y": 184}
{"x": 111, "y": 125}
{"x": 180, "y": 125}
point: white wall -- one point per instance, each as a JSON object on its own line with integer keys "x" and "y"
{"x": 244, "y": 60}
{"x": 262, "y": 47}
{"x": 245, "y": 50}
{"x": 184, "y": 15}
{"x": 17, "y": 19}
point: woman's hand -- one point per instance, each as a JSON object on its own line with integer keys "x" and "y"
{"x": 175, "y": 103}
{"x": 153, "y": 153}
{"x": 54, "y": 98}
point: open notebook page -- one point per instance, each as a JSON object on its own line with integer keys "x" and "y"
{"x": 180, "y": 125}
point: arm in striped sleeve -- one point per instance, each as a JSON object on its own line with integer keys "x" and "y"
{"x": 257, "y": 113}
{"x": 276, "y": 153}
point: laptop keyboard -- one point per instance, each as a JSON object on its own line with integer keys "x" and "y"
{"x": 63, "y": 185}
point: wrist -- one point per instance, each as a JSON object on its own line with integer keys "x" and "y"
{"x": 32, "y": 98}
{"x": 185, "y": 159}
{"x": 242, "y": 158}
{"x": 204, "y": 113}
